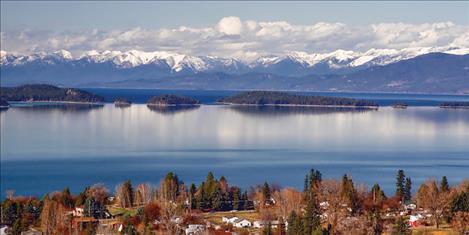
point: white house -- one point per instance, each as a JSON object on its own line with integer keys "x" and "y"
{"x": 78, "y": 211}
{"x": 242, "y": 223}
{"x": 229, "y": 220}
{"x": 193, "y": 229}
{"x": 258, "y": 224}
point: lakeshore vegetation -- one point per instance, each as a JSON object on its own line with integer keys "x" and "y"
{"x": 44, "y": 92}
{"x": 283, "y": 98}
{"x": 171, "y": 100}
{"x": 324, "y": 206}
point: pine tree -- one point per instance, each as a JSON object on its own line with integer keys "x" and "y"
{"x": 294, "y": 221}
{"x": 377, "y": 194}
{"x": 66, "y": 198}
{"x": 407, "y": 190}
{"x": 192, "y": 191}
{"x": 245, "y": 200}
{"x": 312, "y": 219}
{"x": 401, "y": 227}
{"x": 266, "y": 191}
{"x": 400, "y": 181}
{"x": 267, "y": 229}
{"x": 236, "y": 198}
{"x": 444, "y": 187}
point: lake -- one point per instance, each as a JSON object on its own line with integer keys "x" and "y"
{"x": 46, "y": 148}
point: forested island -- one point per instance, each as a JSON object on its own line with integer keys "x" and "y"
{"x": 400, "y": 105}
{"x": 4, "y": 103}
{"x": 122, "y": 102}
{"x": 48, "y": 93}
{"x": 172, "y": 100}
{"x": 455, "y": 105}
{"x": 283, "y": 98}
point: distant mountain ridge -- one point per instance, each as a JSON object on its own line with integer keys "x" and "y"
{"x": 440, "y": 70}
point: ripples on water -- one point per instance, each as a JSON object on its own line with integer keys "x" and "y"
{"x": 46, "y": 148}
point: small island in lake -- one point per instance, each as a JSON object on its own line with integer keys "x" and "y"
{"x": 172, "y": 100}
{"x": 455, "y": 105}
{"x": 400, "y": 105}
{"x": 283, "y": 98}
{"x": 48, "y": 93}
{"x": 122, "y": 102}
{"x": 4, "y": 104}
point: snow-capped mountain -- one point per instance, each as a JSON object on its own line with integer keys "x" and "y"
{"x": 173, "y": 70}
{"x": 293, "y": 63}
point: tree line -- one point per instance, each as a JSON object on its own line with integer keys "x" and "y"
{"x": 324, "y": 206}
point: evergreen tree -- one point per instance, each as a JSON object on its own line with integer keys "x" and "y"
{"x": 312, "y": 219}
{"x": 127, "y": 194}
{"x": 401, "y": 227}
{"x": 217, "y": 199}
{"x": 407, "y": 190}
{"x": 348, "y": 193}
{"x": 377, "y": 194}
{"x": 444, "y": 187}
{"x": 245, "y": 200}
{"x": 400, "y": 181}
{"x": 461, "y": 201}
{"x": 267, "y": 229}
{"x": 266, "y": 191}
{"x": 66, "y": 198}
{"x": 294, "y": 224}
{"x": 192, "y": 191}
{"x": 82, "y": 197}
{"x": 236, "y": 198}
{"x": 200, "y": 197}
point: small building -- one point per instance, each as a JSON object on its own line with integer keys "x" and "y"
{"x": 258, "y": 224}
{"x": 413, "y": 221}
{"x": 193, "y": 229}
{"x": 78, "y": 211}
{"x": 229, "y": 219}
{"x": 242, "y": 223}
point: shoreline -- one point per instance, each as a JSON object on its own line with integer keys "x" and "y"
{"x": 56, "y": 102}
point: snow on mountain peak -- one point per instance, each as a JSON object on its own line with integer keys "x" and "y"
{"x": 178, "y": 62}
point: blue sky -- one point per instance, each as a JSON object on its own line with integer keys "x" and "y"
{"x": 231, "y": 29}
{"x": 55, "y": 15}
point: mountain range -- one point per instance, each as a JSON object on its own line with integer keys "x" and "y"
{"x": 421, "y": 70}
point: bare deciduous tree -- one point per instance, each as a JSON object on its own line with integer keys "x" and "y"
{"x": 430, "y": 197}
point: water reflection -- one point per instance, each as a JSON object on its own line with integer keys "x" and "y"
{"x": 173, "y": 109}
{"x": 267, "y": 110}
{"x": 58, "y": 107}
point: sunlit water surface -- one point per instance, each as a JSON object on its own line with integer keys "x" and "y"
{"x": 46, "y": 149}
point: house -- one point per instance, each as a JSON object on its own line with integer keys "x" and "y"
{"x": 258, "y": 224}
{"x": 242, "y": 223}
{"x": 413, "y": 221}
{"x": 229, "y": 220}
{"x": 3, "y": 230}
{"x": 194, "y": 229}
{"x": 78, "y": 212}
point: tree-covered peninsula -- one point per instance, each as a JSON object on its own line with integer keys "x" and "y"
{"x": 3, "y": 103}
{"x": 455, "y": 105}
{"x": 283, "y": 98}
{"x": 44, "y": 92}
{"x": 171, "y": 100}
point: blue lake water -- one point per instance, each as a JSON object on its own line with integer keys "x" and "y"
{"x": 47, "y": 148}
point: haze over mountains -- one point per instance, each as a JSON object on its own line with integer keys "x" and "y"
{"x": 426, "y": 69}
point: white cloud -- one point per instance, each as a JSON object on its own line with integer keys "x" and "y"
{"x": 232, "y": 37}
{"x": 230, "y": 25}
